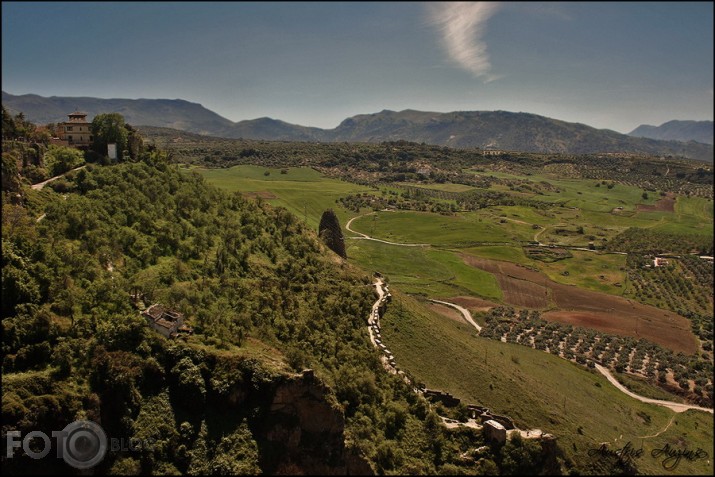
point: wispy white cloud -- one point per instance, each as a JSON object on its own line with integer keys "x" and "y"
{"x": 462, "y": 26}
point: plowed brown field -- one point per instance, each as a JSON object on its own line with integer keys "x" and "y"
{"x": 666, "y": 204}
{"x": 588, "y": 309}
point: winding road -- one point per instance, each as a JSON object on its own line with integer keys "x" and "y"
{"x": 677, "y": 407}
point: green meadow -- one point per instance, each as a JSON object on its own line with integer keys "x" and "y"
{"x": 447, "y": 186}
{"x": 584, "y": 194}
{"x": 539, "y": 390}
{"x": 693, "y": 215}
{"x": 303, "y": 191}
{"x": 423, "y": 270}
{"x": 457, "y": 230}
{"x": 589, "y": 270}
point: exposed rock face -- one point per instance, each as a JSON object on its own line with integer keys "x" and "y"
{"x": 303, "y": 432}
{"x": 330, "y": 232}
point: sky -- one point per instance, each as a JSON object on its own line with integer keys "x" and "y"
{"x": 610, "y": 65}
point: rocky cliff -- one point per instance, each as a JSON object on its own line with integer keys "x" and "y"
{"x": 303, "y": 432}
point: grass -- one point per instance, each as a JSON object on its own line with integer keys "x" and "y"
{"x": 585, "y": 269}
{"x": 584, "y": 194}
{"x": 423, "y": 270}
{"x": 536, "y": 389}
{"x": 695, "y": 206}
{"x": 500, "y": 252}
{"x": 251, "y": 348}
{"x": 458, "y": 230}
{"x": 693, "y": 215}
{"x": 303, "y": 191}
{"x": 447, "y": 187}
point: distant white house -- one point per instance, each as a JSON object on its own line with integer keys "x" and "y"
{"x": 660, "y": 262}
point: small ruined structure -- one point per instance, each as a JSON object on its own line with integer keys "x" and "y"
{"x": 168, "y": 323}
{"x": 493, "y": 431}
{"x": 440, "y": 396}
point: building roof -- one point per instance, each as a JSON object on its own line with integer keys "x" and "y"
{"x": 77, "y": 117}
{"x": 157, "y": 312}
{"x": 494, "y": 424}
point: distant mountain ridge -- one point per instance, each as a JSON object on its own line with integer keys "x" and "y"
{"x": 700, "y": 131}
{"x": 484, "y": 129}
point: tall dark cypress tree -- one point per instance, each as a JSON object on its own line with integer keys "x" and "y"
{"x": 330, "y": 232}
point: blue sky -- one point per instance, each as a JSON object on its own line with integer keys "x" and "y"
{"x": 611, "y": 65}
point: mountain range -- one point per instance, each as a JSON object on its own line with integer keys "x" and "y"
{"x": 700, "y": 131}
{"x": 484, "y": 129}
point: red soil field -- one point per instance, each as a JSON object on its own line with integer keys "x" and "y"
{"x": 666, "y": 204}
{"x": 589, "y": 309}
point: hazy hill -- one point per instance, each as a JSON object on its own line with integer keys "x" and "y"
{"x": 700, "y": 131}
{"x": 504, "y": 130}
{"x": 275, "y": 130}
{"x": 170, "y": 113}
{"x": 485, "y": 129}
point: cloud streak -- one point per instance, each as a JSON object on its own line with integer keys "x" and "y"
{"x": 462, "y": 26}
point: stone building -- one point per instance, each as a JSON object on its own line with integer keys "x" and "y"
{"x": 168, "y": 323}
{"x": 493, "y": 431}
{"x": 76, "y": 131}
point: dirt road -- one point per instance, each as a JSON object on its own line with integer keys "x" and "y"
{"x": 43, "y": 184}
{"x": 675, "y": 406}
{"x": 461, "y": 309}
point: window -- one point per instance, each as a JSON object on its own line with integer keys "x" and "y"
{"x": 68, "y": 128}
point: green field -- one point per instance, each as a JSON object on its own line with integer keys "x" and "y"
{"x": 584, "y": 194}
{"x": 458, "y": 230}
{"x": 303, "y": 191}
{"x": 583, "y": 269}
{"x": 538, "y": 390}
{"x": 693, "y": 215}
{"x": 500, "y": 252}
{"x": 431, "y": 272}
{"x": 447, "y": 186}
